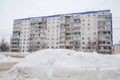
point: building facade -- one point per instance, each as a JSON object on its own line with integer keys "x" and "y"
{"x": 84, "y": 31}
{"x": 116, "y": 49}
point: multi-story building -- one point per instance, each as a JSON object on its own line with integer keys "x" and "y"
{"x": 84, "y": 31}
{"x": 116, "y": 49}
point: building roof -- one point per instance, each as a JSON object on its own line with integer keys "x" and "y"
{"x": 57, "y": 15}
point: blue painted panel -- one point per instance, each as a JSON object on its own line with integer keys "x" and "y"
{"x": 111, "y": 29}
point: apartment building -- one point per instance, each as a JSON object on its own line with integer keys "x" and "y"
{"x": 83, "y": 31}
{"x": 116, "y": 48}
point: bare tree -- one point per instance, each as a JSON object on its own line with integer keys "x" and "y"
{"x": 4, "y": 46}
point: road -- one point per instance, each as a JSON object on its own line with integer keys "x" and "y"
{"x": 5, "y": 67}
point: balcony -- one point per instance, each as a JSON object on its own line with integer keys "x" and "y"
{"x": 104, "y": 44}
{"x": 76, "y": 33}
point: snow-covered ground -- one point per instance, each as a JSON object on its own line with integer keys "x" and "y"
{"x": 62, "y": 64}
{"x": 15, "y": 54}
{"x": 4, "y": 58}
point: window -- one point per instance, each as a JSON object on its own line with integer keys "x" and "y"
{"x": 57, "y": 26}
{"x": 94, "y": 43}
{"x": 83, "y": 47}
{"x": 77, "y": 20}
{"x": 88, "y": 19}
{"x": 82, "y": 28}
{"x": 83, "y": 24}
{"x": 94, "y": 15}
{"x": 57, "y": 30}
{"x": 83, "y": 38}
{"x": 82, "y": 33}
{"x": 108, "y": 42}
{"x": 94, "y": 33}
{"x": 94, "y": 37}
{"x": 88, "y": 24}
{"x": 83, "y": 42}
{"x": 83, "y": 20}
{"x": 38, "y": 42}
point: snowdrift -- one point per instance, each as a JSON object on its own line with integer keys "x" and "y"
{"x": 62, "y": 64}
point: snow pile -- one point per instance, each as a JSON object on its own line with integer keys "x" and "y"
{"x": 4, "y": 58}
{"x": 62, "y": 64}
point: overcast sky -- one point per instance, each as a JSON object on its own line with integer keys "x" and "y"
{"x": 15, "y": 9}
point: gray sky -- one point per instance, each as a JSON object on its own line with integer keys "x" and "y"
{"x": 14, "y": 9}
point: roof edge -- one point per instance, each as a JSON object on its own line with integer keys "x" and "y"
{"x": 57, "y": 15}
